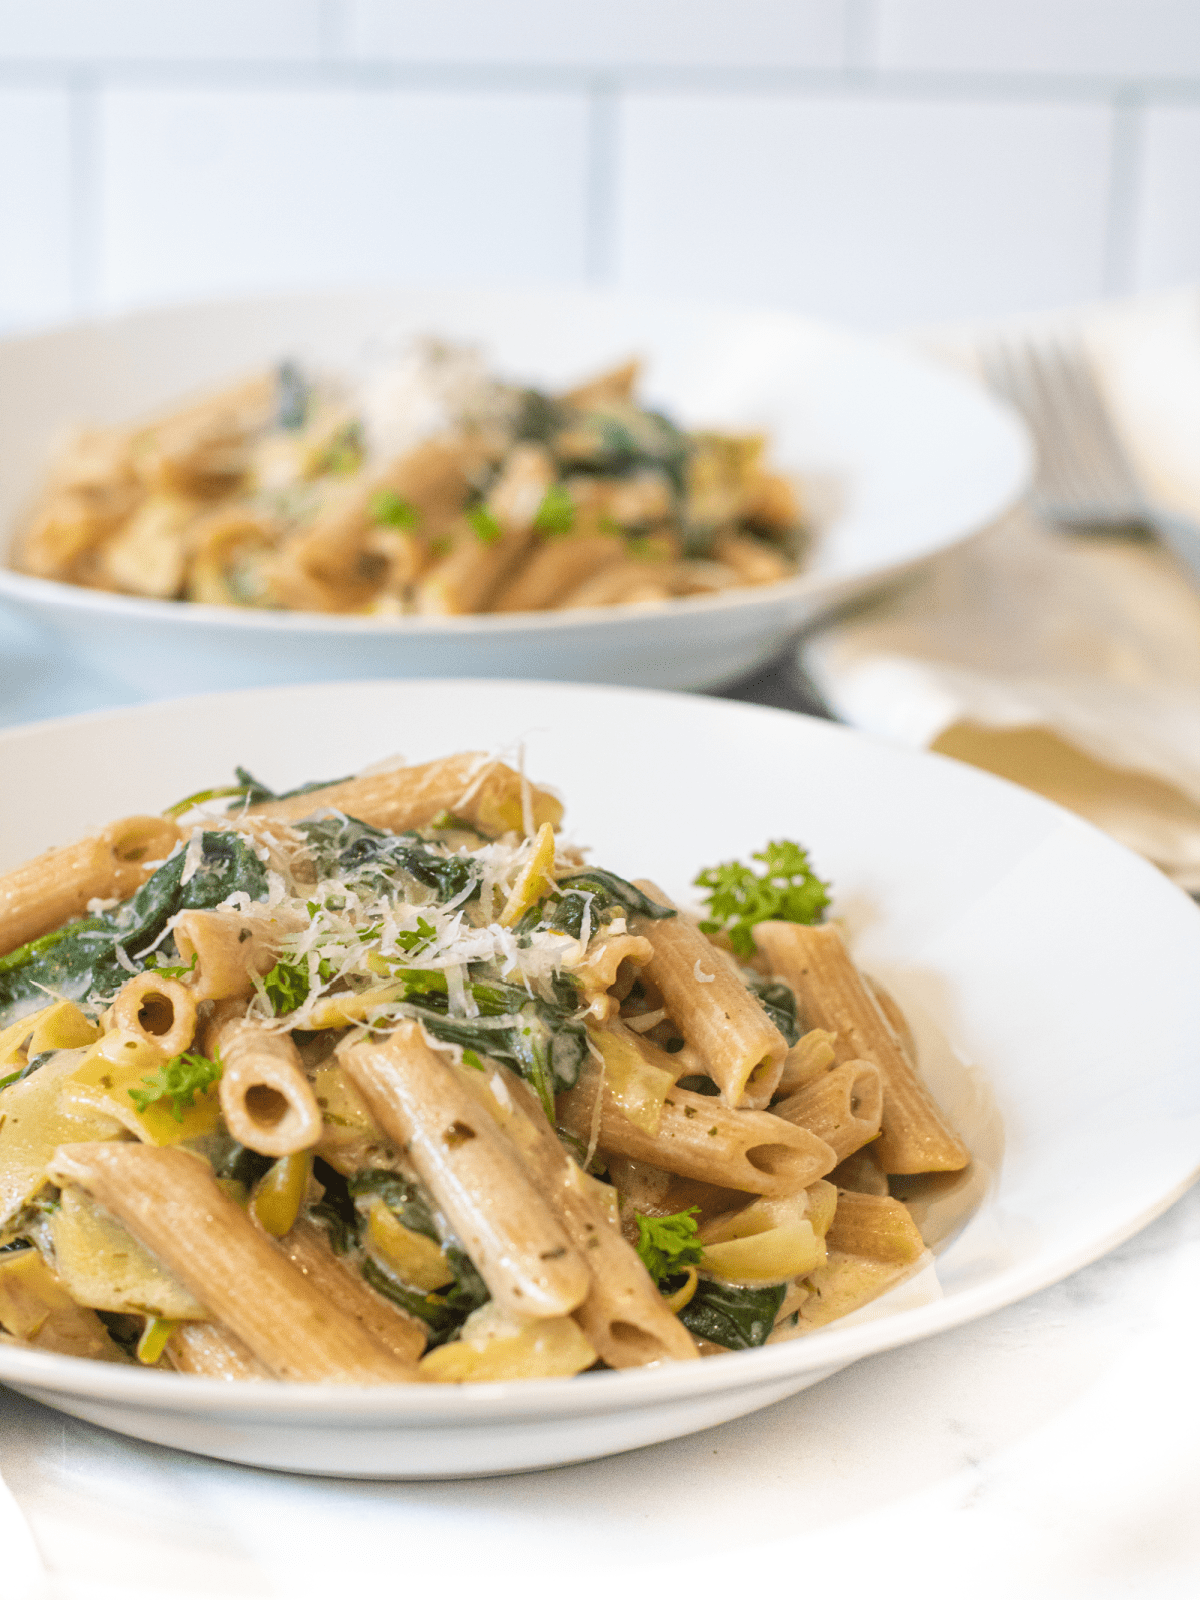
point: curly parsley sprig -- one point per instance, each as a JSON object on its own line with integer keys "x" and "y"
{"x": 787, "y": 890}
{"x": 179, "y": 1080}
{"x": 668, "y": 1244}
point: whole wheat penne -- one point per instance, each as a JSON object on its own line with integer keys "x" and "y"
{"x": 172, "y": 1204}
{"x": 472, "y": 1170}
{"x": 810, "y": 1057}
{"x": 556, "y": 568}
{"x": 699, "y": 1137}
{"x": 229, "y": 949}
{"x": 861, "y": 1173}
{"x": 157, "y": 1009}
{"x": 843, "y": 1107}
{"x": 266, "y": 1100}
{"x": 484, "y": 555}
{"x": 307, "y": 1248}
{"x": 875, "y": 1226}
{"x": 207, "y": 1350}
{"x": 473, "y": 786}
{"x": 716, "y": 1013}
{"x": 624, "y": 1316}
{"x": 833, "y": 995}
{"x": 890, "y": 1006}
{"x": 44, "y": 893}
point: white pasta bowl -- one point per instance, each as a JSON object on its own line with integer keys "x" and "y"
{"x": 1049, "y": 976}
{"x": 905, "y": 457}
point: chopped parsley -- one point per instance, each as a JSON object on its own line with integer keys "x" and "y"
{"x": 179, "y": 1080}
{"x": 787, "y": 890}
{"x": 668, "y": 1244}
{"x": 177, "y": 972}
{"x": 409, "y": 940}
{"x": 487, "y": 529}
{"x": 556, "y": 514}
{"x": 286, "y": 986}
{"x": 389, "y": 509}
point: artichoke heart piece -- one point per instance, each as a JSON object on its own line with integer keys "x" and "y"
{"x": 637, "y": 1088}
{"x": 36, "y": 1309}
{"x": 412, "y": 1256}
{"x": 34, "y": 1121}
{"x": 119, "y": 1064}
{"x": 147, "y": 556}
{"x": 103, "y": 1266}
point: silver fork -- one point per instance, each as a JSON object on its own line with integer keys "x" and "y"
{"x": 1084, "y": 480}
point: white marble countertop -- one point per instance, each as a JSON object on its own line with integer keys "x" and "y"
{"x": 1052, "y": 1449}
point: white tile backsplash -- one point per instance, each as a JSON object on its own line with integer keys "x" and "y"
{"x": 220, "y": 192}
{"x": 35, "y": 204}
{"x": 1117, "y": 38}
{"x": 879, "y": 211}
{"x": 881, "y": 160}
{"x": 622, "y": 33}
{"x": 1168, "y": 232}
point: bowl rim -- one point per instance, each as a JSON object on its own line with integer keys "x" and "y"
{"x": 821, "y": 1352}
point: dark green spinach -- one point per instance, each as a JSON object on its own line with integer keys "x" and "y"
{"x": 779, "y": 1002}
{"x": 80, "y": 960}
{"x": 739, "y": 1318}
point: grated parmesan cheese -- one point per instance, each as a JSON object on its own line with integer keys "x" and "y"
{"x": 193, "y": 857}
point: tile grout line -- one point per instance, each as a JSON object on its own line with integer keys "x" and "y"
{"x": 601, "y": 180}
{"x": 861, "y": 36}
{"x": 84, "y": 192}
{"x": 1126, "y": 154}
{"x": 859, "y": 77}
{"x": 332, "y": 29}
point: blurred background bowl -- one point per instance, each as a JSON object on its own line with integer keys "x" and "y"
{"x": 898, "y": 458}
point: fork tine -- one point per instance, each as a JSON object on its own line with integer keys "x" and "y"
{"x": 1083, "y": 394}
{"x": 1020, "y": 377}
{"x": 1083, "y": 470}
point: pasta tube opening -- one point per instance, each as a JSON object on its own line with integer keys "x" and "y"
{"x": 158, "y": 1009}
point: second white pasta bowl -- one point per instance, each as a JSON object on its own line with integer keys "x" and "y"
{"x": 901, "y": 458}
{"x": 1048, "y": 974}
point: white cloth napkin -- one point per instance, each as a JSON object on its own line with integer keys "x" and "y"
{"x": 1069, "y": 664}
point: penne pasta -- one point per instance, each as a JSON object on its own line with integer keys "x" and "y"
{"x": 487, "y": 550}
{"x": 700, "y": 1137}
{"x": 159, "y": 1010}
{"x": 228, "y": 952}
{"x": 843, "y": 1107}
{"x": 832, "y": 994}
{"x": 381, "y": 1083}
{"x": 557, "y": 569}
{"x": 509, "y": 1230}
{"x": 266, "y": 1100}
{"x": 623, "y": 1314}
{"x": 742, "y": 1049}
{"x": 311, "y": 493}
{"x": 307, "y": 1248}
{"x": 874, "y": 1226}
{"x": 44, "y": 893}
{"x": 207, "y": 1350}
{"x": 172, "y": 1205}
{"x": 474, "y": 787}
